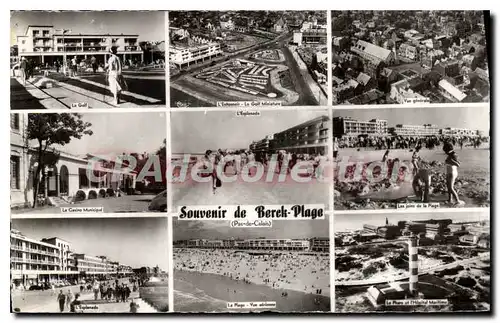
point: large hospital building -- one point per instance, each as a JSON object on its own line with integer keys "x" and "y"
{"x": 314, "y": 244}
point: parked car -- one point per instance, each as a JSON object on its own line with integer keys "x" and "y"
{"x": 159, "y": 202}
{"x": 36, "y": 287}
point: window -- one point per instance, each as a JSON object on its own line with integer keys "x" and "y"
{"x": 14, "y": 121}
{"x": 14, "y": 172}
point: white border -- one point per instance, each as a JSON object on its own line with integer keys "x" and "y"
{"x": 170, "y": 238}
{"x": 88, "y": 215}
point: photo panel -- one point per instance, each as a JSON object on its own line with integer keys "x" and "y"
{"x": 238, "y": 267}
{"x": 410, "y": 57}
{"x": 87, "y": 59}
{"x": 413, "y": 262}
{"x": 95, "y": 265}
{"x": 250, "y": 158}
{"x": 248, "y": 58}
{"x": 411, "y": 158}
{"x": 74, "y": 164}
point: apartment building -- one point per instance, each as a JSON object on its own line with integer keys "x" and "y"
{"x": 49, "y": 260}
{"x": 310, "y": 137}
{"x": 192, "y": 50}
{"x": 46, "y": 44}
{"x": 459, "y": 132}
{"x": 320, "y": 244}
{"x": 264, "y": 145}
{"x": 347, "y": 126}
{"x": 34, "y": 261}
{"x": 415, "y": 130}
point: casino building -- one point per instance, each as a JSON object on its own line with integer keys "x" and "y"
{"x": 63, "y": 182}
{"x": 46, "y": 44}
{"x": 52, "y": 260}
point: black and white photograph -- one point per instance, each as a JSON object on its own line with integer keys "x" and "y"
{"x": 68, "y": 163}
{"x": 437, "y": 157}
{"x": 408, "y": 57}
{"x": 423, "y": 262}
{"x": 275, "y": 157}
{"x": 91, "y": 265}
{"x": 248, "y": 58}
{"x": 87, "y": 59}
{"x": 286, "y": 266}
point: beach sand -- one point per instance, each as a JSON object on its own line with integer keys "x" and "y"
{"x": 204, "y": 292}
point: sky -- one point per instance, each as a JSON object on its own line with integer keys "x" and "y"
{"x": 351, "y": 222}
{"x": 116, "y": 133}
{"x": 150, "y": 26}
{"x": 281, "y": 229}
{"x": 135, "y": 242}
{"x": 195, "y": 132}
{"x": 476, "y": 118}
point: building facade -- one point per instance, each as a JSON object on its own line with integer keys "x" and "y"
{"x": 196, "y": 49}
{"x": 314, "y": 244}
{"x": 310, "y": 137}
{"x": 62, "y": 182}
{"x": 347, "y": 126}
{"x": 50, "y": 260}
{"x": 46, "y": 44}
{"x": 415, "y": 130}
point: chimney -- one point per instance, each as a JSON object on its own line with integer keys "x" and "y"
{"x": 413, "y": 262}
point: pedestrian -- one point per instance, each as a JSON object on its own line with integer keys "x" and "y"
{"x": 23, "y": 66}
{"x": 116, "y": 80}
{"x": 127, "y": 292}
{"x": 452, "y": 164}
{"x": 133, "y": 306}
{"x": 69, "y": 298}
{"x": 61, "y": 298}
{"x": 74, "y": 304}
{"x": 74, "y": 66}
{"x": 421, "y": 177}
{"x": 58, "y": 66}
{"x": 335, "y": 149}
{"x": 93, "y": 62}
{"x": 96, "y": 290}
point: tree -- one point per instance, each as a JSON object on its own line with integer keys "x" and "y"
{"x": 49, "y": 129}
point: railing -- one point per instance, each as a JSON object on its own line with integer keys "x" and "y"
{"x": 33, "y": 261}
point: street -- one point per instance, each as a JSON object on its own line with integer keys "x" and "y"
{"x": 123, "y": 204}
{"x": 36, "y": 301}
{"x": 257, "y": 193}
{"x": 56, "y": 91}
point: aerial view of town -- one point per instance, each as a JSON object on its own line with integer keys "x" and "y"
{"x": 401, "y": 57}
{"x": 252, "y": 58}
{"x": 412, "y": 262}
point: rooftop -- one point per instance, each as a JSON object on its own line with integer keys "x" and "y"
{"x": 369, "y": 48}
{"x": 455, "y": 92}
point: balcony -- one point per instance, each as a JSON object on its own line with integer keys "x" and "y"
{"x": 16, "y": 247}
{"x": 131, "y": 48}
